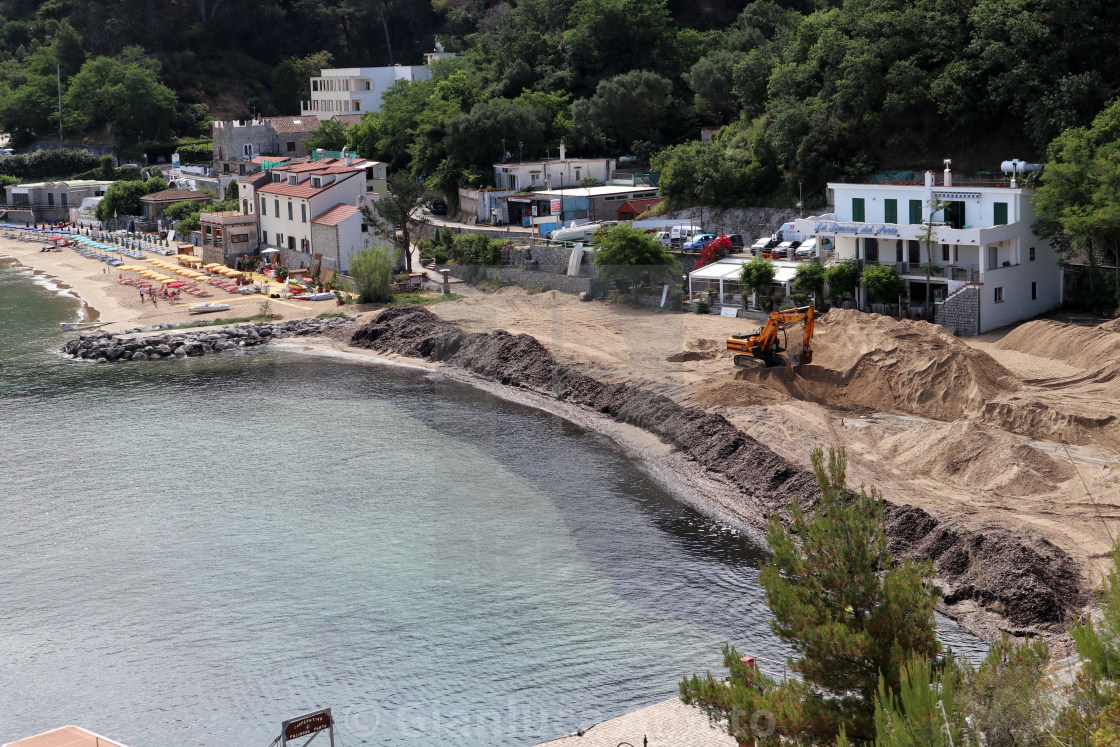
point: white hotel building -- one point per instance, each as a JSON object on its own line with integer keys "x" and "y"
{"x": 988, "y": 267}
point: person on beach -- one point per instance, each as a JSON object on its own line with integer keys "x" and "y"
{"x": 141, "y": 294}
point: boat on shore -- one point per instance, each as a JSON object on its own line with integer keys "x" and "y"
{"x": 206, "y": 308}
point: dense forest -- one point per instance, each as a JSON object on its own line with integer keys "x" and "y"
{"x": 805, "y": 90}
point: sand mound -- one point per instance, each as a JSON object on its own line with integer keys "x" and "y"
{"x": 1094, "y": 349}
{"x": 977, "y": 459}
{"x": 876, "y": 363}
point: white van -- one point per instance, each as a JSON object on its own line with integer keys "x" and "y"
{"x": 812, "y": 247}
{"x": 679, "y": 235}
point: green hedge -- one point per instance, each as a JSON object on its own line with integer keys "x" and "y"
{"x": 42, "y": 164}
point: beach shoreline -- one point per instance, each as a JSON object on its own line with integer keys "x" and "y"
{"x": 97, "y": 286}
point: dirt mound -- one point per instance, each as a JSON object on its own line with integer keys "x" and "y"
{"x": 976, "y": 459}
{"x": 1089, "y": 348}
{"x": 1013, "y": 574}
{"x": 1031, "y": 583}
{"x": 876, "y": 363}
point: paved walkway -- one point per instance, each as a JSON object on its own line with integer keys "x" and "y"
{"x": 668, "y": 724}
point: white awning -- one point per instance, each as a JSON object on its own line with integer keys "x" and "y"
{"x": 724, "y": 269}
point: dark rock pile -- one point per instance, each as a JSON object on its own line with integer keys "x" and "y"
{"x": 1029, "y": 582}
{"x": 139, "y": 345}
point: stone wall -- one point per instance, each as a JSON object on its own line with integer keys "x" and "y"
{"x": 524, "y": 278}
{"x": 549, "y": 259}
{"x": 960, "y": 312}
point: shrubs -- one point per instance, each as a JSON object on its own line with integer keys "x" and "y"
{"x": 372, "y": 271}
{"x": 47, "y": 163}
{"x": 701, "y": 307}
{"x": 462, "y": 248}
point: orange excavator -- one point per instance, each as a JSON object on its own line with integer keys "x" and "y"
{"x": 770, "y": 346}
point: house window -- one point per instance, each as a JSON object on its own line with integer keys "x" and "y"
{"x": 999, "y": 294}
{"x": 245, "y": 206}
{"x": 292, "y": 242}
{"x": 316, "y": 182}
{"x": 1000, "y": 214}
{"x": 291, "y": 145}
{"x": 890, "y": 211}
{"x": 1032, "y": 254}
{"x": 915, "y": 212}
{"x": 264, "y": 237}
{"x": 857, "y": 209}
{"x": 898, "y": 251}
{"x": 240, "y": 238}
{"x": 364, "y": 228}
{"x": 915, "y": 251}
{"x": 62, "y": 199}
{"x": 871, "y": 249}
{"x": 264, "y": 208}
{"x": 225, "y": 168}
{"x": 289, "y": 209}
{"x": 303, "y": 211}
{"x": 357, "y": 105}
{"x": 279, "y": 239}
{"x": 241, "y": 169}
{"x": 955, "y": 214}
{"x": 293, "y": 179}
{"x": 944, "y": 252}
{"x": 1034, "y": 291}
{"x": 50, "y": 198}
{"x": 276, "y": 207}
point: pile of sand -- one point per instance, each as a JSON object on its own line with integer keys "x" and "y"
{"x": 975, "y": 459}
{"x": 880, "y": 364}
{"x": 1094, "y": 349}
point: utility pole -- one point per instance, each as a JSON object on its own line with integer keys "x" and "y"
{"x": 58, "y": 74}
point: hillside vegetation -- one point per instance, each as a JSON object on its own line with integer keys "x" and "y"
{"x": 806, "y": 90}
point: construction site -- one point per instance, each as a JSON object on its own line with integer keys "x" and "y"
{"x": 994, "y": 453}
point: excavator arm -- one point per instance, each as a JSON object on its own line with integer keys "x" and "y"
{"x": 764, "y": 349}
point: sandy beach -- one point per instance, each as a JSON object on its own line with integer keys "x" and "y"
{"x": 107, "y": 300}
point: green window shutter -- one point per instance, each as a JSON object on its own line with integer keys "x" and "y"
{"x": 857, "y": 209}
{"x": 915, "y": 212}
{"x": 1001, "y": 214}
{"x": 890, "y": 211}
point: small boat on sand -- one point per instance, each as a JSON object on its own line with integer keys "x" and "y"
{"x": 206, "y": 308}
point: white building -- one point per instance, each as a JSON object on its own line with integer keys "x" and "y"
{"x": 314, "y": 208}
{"x": 988, "y": 268}
{"x": 356, "y": 90}
{"x": 563, "y": 172}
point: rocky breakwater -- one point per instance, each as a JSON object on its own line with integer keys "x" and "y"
{"x": 991, "y": 577}
{"x": 144, "y": 345}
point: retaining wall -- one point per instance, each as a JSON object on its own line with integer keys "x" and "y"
{"x": 960, "y": 312}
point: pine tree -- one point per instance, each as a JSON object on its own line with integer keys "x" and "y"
{"x": 850, "y": 613}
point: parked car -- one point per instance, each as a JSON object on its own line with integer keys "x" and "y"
{"x": 763, "y": 245}
{"x": 437, "y": 206}
{"x": 697, "y": 242}
{"x": 737, "y": 243}
{"x": 784, "y": 250}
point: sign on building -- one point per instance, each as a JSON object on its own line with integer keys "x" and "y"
{"x": 176, "y": 174}
{"x": 554, "y": 207}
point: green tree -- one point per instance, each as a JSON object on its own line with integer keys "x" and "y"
{"x": 851, "y": 614}
{"x": 923, "y": 712}
{"x": 398, "y": 215}
{"x": 883, "y": 283}
{"x": 476, "y": 137}
{"x": 842, "y": 278}
{"x": 372, "y": 270}
{"x": 633, "y": 256}
{"x": 712, "y": 80}
{"x": 123, "y": 197}
{"x": 811, "y": 276}
{"x": 329, "y": 135}
{"x": 1004, "y": 698}
{"x": 232, "y": 192}
{"x": 291, "y": 80}
{"x": 124, "y": 95}
{"x": 758, "y": 274}
{"x": 628, "y": 108}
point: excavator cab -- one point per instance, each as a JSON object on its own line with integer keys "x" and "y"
{"x": 770, "y": 346}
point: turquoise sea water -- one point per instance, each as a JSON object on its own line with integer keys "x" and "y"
{"x": 195, "y": 550}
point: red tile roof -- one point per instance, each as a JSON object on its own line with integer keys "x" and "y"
{"x": 269, "y": 159}
{"x": 638, "y": 205}
{"x": 348, "y": 119}
{"x": 291, "y": 190}
{"x": 335, "y": 215}
{"x": 293, "y": 125}
{"x": 174, "y": 195}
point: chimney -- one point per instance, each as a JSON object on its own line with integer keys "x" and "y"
{"x": 929, "y": 178}
{"x": 563, "y": 153}
{"x": 948, "y": 172}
